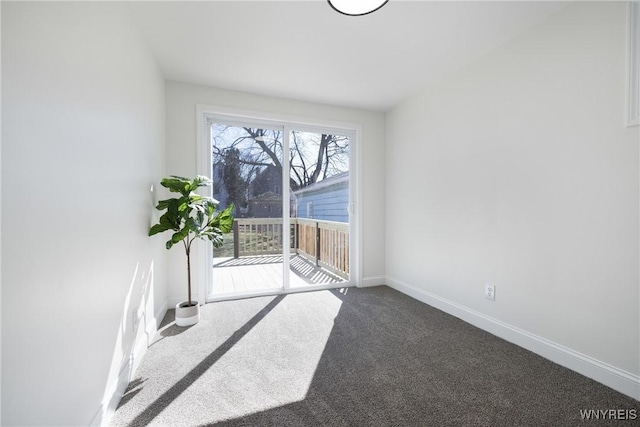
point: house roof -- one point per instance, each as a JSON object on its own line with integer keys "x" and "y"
{"x": 326, "y": 183}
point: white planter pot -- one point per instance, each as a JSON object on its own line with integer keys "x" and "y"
{"x": 187, "y": 315}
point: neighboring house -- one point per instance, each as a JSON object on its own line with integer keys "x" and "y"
{"x": 326, "y": 200}
{"x": 266, "y": 205}
{"x": 267, "y": 180}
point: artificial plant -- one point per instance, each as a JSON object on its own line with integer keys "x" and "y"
{"x": 191, "y": 216}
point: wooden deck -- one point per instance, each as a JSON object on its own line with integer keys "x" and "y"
{"x": 256, "y": 273}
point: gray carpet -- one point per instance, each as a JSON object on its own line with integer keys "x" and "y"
{"x": 356, "y": 357}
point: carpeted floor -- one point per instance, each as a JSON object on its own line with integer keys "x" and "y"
{"x": 355, "y": 357}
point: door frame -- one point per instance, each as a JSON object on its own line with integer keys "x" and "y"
{"x": 204, "y": 252}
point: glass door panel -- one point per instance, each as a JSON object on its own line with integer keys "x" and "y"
{"x": 318, "y": 208}
{"x": 247, "y": 172}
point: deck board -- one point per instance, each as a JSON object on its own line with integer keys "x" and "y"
{"x": 257, "y": 273}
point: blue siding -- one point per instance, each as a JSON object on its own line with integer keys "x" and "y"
{"x": 329, "y": 204}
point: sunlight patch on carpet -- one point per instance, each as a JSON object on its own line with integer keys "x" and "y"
{"x": 258, "y": 374}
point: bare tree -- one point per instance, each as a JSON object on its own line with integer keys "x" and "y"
{"x": 313, "y": 157}
{"x": 236, "y": 185}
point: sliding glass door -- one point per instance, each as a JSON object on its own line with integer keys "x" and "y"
{"x": 292, "y": 227}
{"x": 247, "y": 172}
{"x": 319, "y": 208}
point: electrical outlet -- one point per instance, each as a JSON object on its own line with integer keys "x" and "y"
{"x": 490, "y": 292}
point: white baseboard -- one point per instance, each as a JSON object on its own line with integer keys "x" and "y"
{"x": 613, "y": 377}
{"x": 108, "y": 408}
{"x": 128, "y": 370}
{"x": 371, "y": 281}
{"x": 159, "y": 316}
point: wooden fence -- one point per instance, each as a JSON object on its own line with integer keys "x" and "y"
{"x": 257, "y": 236}
{"x": 326, "y": 243}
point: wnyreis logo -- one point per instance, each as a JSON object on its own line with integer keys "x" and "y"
{"x": 356, "y": 7}
{"x": 609, "y": 414}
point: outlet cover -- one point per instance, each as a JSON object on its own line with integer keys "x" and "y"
{"x": 490, "y": 292}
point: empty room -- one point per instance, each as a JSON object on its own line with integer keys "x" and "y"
{"x": 320, "y": 213}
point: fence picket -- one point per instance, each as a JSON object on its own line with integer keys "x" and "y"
{"x": 325, "y": 241}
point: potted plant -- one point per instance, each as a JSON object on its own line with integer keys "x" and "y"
{"x": 191, "y": 216}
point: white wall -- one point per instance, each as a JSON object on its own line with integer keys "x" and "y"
{"x": 82, "y": 143}
{"x": 182, "y": 99}
{"x": 0, "y": 222}
{"x": 518, "y": 171}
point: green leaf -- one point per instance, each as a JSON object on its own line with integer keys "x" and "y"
{"x": 224, "y": 220}
{"x": 191, "y": 225}
{"x": 170, "y": 220}
{"x": 199, "y": 219}
{"x": 172, "y": 215}
{"x": 216, "y": 239}
{"x": 183, "y": 203}
{"x": 177, "y": 184}
{"x": 194, "y": 197}
{"x": 180, "y": 235}
{"x": 192, "y": 212}
{"x": 200, "y": 181}
{"x": 211, "y": 208}
{"x": 163, "y": 204}
{"x": 158, "y": 228}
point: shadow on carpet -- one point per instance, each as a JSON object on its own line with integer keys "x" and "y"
{"x": 355, "y": 357}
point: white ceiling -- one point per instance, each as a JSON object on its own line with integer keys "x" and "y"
{"x": 305, "y": 50}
